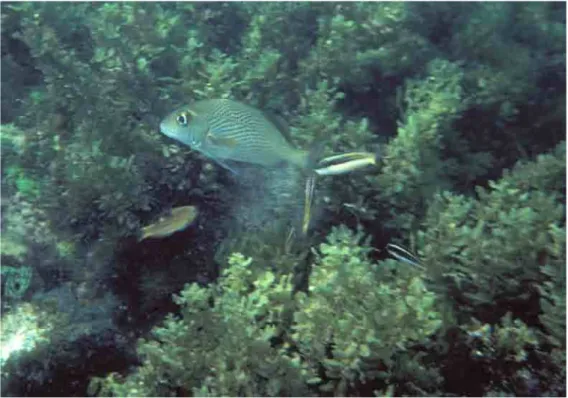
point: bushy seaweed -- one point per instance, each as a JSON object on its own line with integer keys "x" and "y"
{"x": 464, "y": 106}
{"x": 250, "y": 335}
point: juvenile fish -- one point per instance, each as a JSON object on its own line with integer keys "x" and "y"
{"x": 354, "y": 161}
{"x": 179, "y": 219}
{"x": 401, "y": 254}
{"x": 346, "y": 167}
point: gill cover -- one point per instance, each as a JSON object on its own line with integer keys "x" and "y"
{"x": 185, "y": 126}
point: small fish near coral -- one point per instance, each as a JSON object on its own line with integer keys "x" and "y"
{"x": 179, "y": 219}
{"x": 403, "y": 255}
{"x": 348, "y": 162}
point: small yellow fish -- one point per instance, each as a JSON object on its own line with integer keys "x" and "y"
{"x": 178, "y": 220}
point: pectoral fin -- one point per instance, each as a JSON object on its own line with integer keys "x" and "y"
{"x": 220, "y": 141}
{"x": 220, "y": 162}
{"x": 226, "y": 166}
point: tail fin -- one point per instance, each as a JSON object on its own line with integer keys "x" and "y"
{"x": 314, "y": 155}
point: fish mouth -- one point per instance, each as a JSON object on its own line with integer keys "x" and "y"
{"x": 177, "y": 135}
{"x": 163, "y": 128}
{"x": 169, "y": 132}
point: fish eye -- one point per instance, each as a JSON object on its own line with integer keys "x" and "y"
{"x": 182, "y": 119}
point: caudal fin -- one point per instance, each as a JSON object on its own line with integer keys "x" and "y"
{"x": 314, "y": 154}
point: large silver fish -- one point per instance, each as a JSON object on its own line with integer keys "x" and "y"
{"x": 223, "y": 129}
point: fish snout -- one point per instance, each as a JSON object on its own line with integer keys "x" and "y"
{"x": 167, "y": 130}
{"x": 164, "y": 128}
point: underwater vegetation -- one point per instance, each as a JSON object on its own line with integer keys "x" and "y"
{"x": 135, "y": 265}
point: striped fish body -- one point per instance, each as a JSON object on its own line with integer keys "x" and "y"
{"x": 225, "y": 129}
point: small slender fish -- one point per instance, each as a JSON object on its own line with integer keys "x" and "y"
{"x": 346, "y": 167}
{"x": 345, "y": 157}
{"x": 179, "y": 219}
{"x": 309, "y": 196}
{"x": 401, "y": 254}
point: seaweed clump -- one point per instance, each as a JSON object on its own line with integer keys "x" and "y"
{"x": 251, "y": 334}
{"x": 464, "y": 105}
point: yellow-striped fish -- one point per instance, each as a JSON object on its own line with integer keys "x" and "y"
{"x": 223, "y": 129}
{"x": 349, "y": 162}
{"x": 178, "y": 220}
